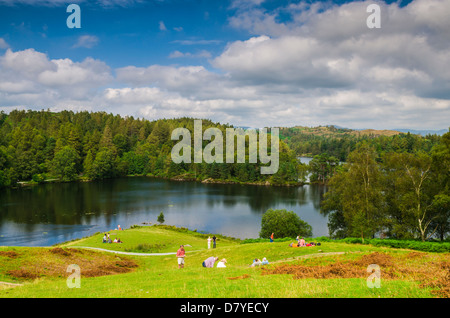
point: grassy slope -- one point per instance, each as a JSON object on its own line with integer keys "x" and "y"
{"x": 159, "y": 276}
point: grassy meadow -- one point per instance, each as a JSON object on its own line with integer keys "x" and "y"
{"x": 332, "y": 270}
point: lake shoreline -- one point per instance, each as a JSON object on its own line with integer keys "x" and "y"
{"x": 22, "y": 184}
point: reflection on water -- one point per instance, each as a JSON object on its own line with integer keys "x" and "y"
{"x": 52, "y": 213}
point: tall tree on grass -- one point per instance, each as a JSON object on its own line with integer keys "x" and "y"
{"x": 356, "y": 194}
{"x": 440, "y": 155}
{"x": 413, "y": 182}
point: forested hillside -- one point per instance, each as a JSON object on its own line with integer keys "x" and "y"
{"x": 69, "y": 146}
{"x": 339, "y": 142}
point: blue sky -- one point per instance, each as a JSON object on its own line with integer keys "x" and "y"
{"x": 246, "y": 62}
{"x": 138, "y": 33}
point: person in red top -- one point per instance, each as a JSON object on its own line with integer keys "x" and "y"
{"x": 271, "y": 238}
{"x": 180, "y": 255}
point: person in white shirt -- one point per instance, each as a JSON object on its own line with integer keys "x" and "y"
{"x": 222, "y": 263}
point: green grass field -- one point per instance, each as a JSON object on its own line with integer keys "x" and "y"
{"x": 332, "y": 268}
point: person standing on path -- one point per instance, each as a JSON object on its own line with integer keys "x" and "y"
{"x": 209, "y": 242}
{"x": 180, "y": 255}
{"x": 214, "y": 241}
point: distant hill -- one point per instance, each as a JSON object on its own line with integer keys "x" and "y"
{"x": 335, "y": 131}
{"x": 424, "y": 132}
{"x": 375, "y": 132}
{"x": 339, "y": 141}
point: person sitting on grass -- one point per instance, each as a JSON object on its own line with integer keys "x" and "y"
{"x": 256, "y": 262}
{"x": 265, "y": 261}
{"x": 105, "y": 238}
{"x": 302, "y": 242}
{"x": 209, "y": 262}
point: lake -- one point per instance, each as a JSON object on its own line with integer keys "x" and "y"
{"x": 52, "y": 213}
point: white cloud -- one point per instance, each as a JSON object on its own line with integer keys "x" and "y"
{"x": 200, "y": 54}
{"x": 69, "y": 73}
{"x": 197, "y": 42}
{"x": 242, "y": 4}
{"x": 3, "y": 44}
{"x": 162, "y": 26}
{"x": 26, "y": 63}
{"x": 30, "y": 78}
{"x": 86, "y": 41}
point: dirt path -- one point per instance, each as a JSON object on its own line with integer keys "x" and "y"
{"x": 10, "y": 284}
{"x": 174, "y": 253}
{"x": 124, "y": 253}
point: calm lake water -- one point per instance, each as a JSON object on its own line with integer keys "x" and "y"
{"x": 53, "y": 213}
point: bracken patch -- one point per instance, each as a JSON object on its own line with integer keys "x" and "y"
{"x": 10, "y": 254}
{"x": 239, "y": 277}
{"x": 432, "y": 274}
{"x": 60, "y": 251}
{"x": 54, "y": 263}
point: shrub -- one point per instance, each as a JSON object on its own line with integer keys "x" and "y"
{"x": 284, "y": 224}
{"x": 161, "y": 218}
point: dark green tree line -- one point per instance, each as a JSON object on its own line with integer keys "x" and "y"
{"x": 68, "y": 146}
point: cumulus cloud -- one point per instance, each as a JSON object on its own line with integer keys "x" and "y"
{"x": 328, "y": 50}
{"x": 30, "y": 78}
{"x": 322, "y": 65}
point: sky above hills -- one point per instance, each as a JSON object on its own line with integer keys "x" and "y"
{"x": 245, "y": 62}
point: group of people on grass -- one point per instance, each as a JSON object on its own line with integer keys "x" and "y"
{"x": 211, "y": 261}
{"x": 107, "y": 239}
{"x": 301, "y": 242}
{"x": 209, "y": 240}
{"x": 257, "y": 262}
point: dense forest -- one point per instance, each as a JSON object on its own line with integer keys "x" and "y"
{"x": 403, "y": 194}
{"x": 40, "y": 146}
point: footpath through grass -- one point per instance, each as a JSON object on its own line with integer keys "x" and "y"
{"x": 330, "y": 270}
